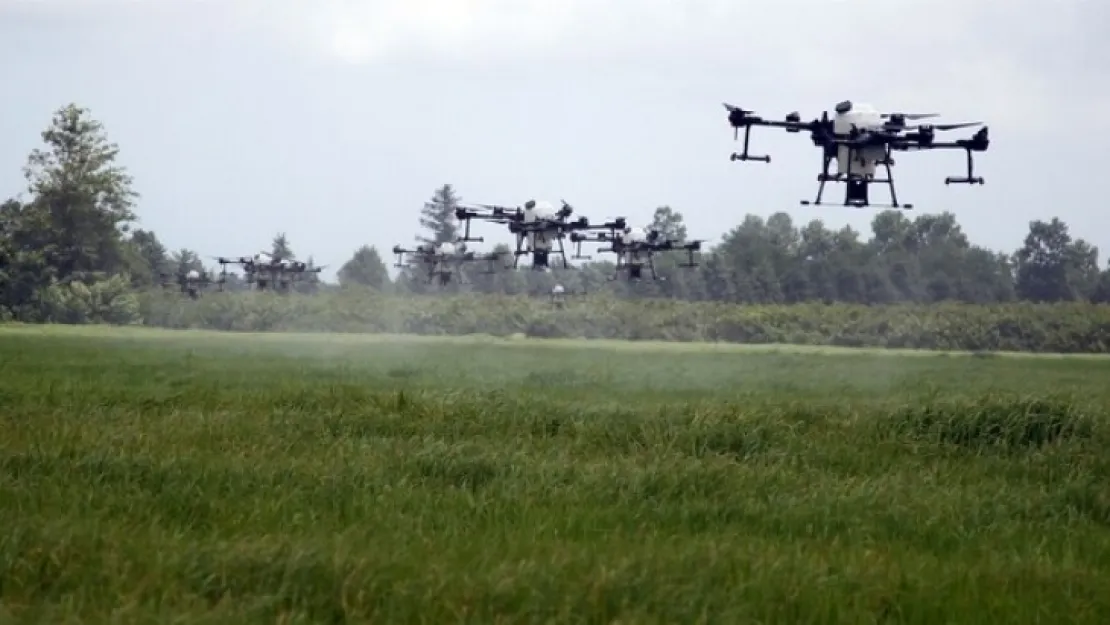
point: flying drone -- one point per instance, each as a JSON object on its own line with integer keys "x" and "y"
{"x": 636, "y": 248}
{"x": 264, "y": 270}
{"x": 443, "y": 260}
{"x": 539, "y": 228}
{"x": 860, "y": 139}
{"x": 191, "y": 282}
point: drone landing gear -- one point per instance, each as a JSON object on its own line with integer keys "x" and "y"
{"x": 857, "y": 192}
{"x": 970, "y": 178}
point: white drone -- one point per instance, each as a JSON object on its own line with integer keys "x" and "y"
{"x": 444, "y": 260}
{"x": 860, "y": 139}
{"x": 539, "y": 227}
{"x": 636, "y": 248}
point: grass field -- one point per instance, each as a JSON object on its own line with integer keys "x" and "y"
{"x": 190, "y": 477}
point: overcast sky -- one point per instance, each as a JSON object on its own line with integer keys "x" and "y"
{"x": 334, "y": 121}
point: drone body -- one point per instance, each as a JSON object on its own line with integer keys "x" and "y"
{"x": 631, "y": 247}
{"x": 191, "y": 282}
{"x": 865, "y": 159}
{"x": 534, "y": 237}
{"x": 264, "y": 271}
{"x": 444, "y": 260}
{"x": 538, "y": 226}
{"x": 636, "y": 248}
{"x": 860, "y": 140}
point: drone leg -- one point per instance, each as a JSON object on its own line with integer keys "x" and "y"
{"x": 890, "y": 184}
{"x": 822, "y": 178}
{"x": 563, "y": 254}
{"x": 651, "y": 266}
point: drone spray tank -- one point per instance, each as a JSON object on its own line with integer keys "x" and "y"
{"x": 537, "y": 239}
{"x": 631, "y": 242}
{"x": 855, "y": 118}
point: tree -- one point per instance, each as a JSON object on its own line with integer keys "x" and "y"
{"x": 151, "y": 252}
{"x": 1052, "y": 268}
{"x": 365, "y": 268}
{"x": 281, "y": 249}
{"x": 82, "y": 200}
{"x": 438, "y": 217}
{"x": 185, "y": 260}
{"x": 669, "y": 223}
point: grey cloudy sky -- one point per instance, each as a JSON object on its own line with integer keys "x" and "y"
{"x": 334, "y": 120}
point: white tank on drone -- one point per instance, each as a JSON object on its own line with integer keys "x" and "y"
{"x": 192, "y": 275}
{"x": 536, "y": 211}
{"x": 632, "y": 236}
{"x": 449, "y": 249}
{"x": 864, "y": 117}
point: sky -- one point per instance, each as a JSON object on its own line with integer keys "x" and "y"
{"x": 334, "y": 121}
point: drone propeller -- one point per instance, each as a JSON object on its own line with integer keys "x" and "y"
{"x": 923, "y": 133}
{"x": 910, "y": 116}
{"x": 732, "y": 108}
{"x": 943, "y": 127}
{"x": 736, "y": 117}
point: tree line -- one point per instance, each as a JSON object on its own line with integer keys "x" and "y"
{"x": 69, "y": 252}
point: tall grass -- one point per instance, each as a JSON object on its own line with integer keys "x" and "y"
{"x": 198, "y": 478}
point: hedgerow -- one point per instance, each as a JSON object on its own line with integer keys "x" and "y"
{"x": 1064, "y": 328}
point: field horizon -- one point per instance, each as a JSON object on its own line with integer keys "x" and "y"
{"x": 518, "y": 340}
{"x": 189, "y": 476}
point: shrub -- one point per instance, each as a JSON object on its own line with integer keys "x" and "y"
{"x": 1066, "y": 328}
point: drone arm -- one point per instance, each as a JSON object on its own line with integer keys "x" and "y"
{"x": 400, "y": 252}
{"x": 739, "y": 118}
{"x": 979, "y": 142}
{"x": 789, "y": 126}
{"x": 690, "y": 248}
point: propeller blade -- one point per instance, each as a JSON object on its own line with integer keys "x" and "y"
{"x": 730, "y": 108}
{"x": 943, "y": 127}
{"x": 910, "y": 116}
{"x": 940, "y": 127}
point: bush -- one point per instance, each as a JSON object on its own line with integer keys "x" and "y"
{"x": 109, "y": 301}
{"x": 1065, "y": 328}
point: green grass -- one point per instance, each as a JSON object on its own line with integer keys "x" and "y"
{"x": 193, "y": 477}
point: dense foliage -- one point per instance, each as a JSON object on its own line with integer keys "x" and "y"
{"x": 69, "y": 254}
{"x": 1021, "y": 326}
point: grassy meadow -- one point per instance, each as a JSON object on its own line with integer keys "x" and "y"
{"x": 151, "y": 476}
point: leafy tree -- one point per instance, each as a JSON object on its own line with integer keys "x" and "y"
{"x": 1052, "y": 268}
{"x": 185, "y": 260}
{"x": 152, "y": 254}
{"x": 82, "y": 201}
{"x": 669, "y": 223}
{"x": 438, "y": 216}
{"x": 280, "y": 248}
{"x": 365, "y": 268}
